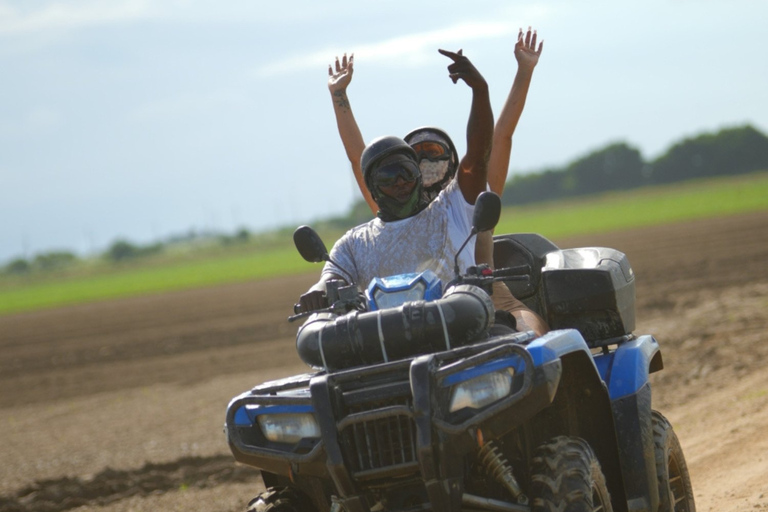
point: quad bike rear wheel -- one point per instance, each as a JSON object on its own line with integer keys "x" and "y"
{"x": 281, "y": 499}
{"x": 675, "y": 491}
{"x": 566, "y": 477}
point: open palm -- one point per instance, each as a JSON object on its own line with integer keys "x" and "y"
{"x": 342, "y": 76}
{"x": 526, "y": 53}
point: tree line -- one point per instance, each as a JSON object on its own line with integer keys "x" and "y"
{"x": 620, "y": 166}
{"x": 121, "y": 251}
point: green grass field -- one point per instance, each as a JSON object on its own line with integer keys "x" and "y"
{"x": 643, "y": 207}
{"x": 132, "y": 280}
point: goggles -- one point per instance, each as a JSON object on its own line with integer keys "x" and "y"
{"x": 431, "y": 150}
{"x": 388, "y": 175}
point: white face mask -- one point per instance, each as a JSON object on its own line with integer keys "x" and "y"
{"x": 432, "y": 172}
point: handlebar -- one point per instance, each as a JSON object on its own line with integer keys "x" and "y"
{"x": 481, "y": 276}
{"x": 518, "y": 271}
{"x": 339, "y": 307}
{"x": 298, "y": 314}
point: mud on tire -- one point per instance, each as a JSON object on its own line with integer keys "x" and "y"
{"x": 566, "y": 477}
{"x": 675, "y": 491}
{"x": 281, "y": 499}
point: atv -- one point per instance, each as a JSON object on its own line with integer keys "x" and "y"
{"x": 421, "y": 400}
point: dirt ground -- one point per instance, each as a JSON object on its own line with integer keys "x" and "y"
{"x": 119, "y": 406}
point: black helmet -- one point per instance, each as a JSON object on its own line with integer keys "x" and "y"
{"x": 392, "y": 148}
{"x": 378, "y": 150}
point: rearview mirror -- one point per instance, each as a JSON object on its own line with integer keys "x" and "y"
{"x": 487, "y": 211}
{"x": 310, "y": 245}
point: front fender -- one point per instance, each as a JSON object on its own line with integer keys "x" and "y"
{"x": 626, "y": 369}
{"x": 556, "y": 344}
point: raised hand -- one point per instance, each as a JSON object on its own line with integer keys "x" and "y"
{"x": 339, "y": 79}
{"x": 463, "y": 69}
{"x": 525, "y": 49}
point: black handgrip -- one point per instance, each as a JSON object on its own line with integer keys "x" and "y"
{"x": 305, "y": 314}
{"x": 519, "y": 270}
{"x": 297, "y": 308}
{"x": 298, "y": 316}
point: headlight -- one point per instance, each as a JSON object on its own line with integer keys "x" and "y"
{"x": 288, "y": 428}
{"x": 385, "y": 299}
{"x": 393, "y": 291}
{"x": 483, "y": 390}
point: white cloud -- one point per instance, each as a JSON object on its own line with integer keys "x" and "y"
{"x": 70, "y": 15}
{"x": 24, "y": 18}
{"x": 409, "y": 51}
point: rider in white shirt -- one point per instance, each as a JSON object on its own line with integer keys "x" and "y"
{"x": 410, "y": 234}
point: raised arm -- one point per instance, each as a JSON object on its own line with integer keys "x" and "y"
{"x": 527, "y": 57}
{"x": 473, "y": 168}
{"x": 338, "y": 81}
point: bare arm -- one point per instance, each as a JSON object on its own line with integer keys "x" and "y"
{"x": 346, "y": 123}
{"x": 527, "y": 57}
{"x": 473, "y": 169}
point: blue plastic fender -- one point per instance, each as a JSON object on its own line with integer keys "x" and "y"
{"x": 626, "y": 369}
{"x": 556, "y": 344}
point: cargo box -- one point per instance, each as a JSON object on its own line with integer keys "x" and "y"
{"x": 591, "y": 289}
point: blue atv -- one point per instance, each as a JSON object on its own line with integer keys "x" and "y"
{"x": 423, "y": 400}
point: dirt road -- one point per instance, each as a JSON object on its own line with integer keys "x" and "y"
{"x": 119, "y": 406}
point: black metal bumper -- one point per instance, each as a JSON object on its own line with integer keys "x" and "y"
{"x": 390, "y": 423}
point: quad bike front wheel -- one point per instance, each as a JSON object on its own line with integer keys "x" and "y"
{"x": 281, "y": 499}
{"x": 566, "y": 477}
{"x": 675, "y": 490}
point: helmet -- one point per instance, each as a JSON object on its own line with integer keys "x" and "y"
{"x": 379, "y": 149}
{"x": 437, "y": 171}
{"x": 432, "y": 133}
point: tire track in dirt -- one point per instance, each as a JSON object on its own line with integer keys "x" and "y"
{"x": 110, "y": 485}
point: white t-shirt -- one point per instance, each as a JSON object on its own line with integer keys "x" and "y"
{"x": 428, "y": 240}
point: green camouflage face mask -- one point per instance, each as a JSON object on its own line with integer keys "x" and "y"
{"x": 391, "y": 210}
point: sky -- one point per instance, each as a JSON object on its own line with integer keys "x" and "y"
{"x": 141, "y": 119}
